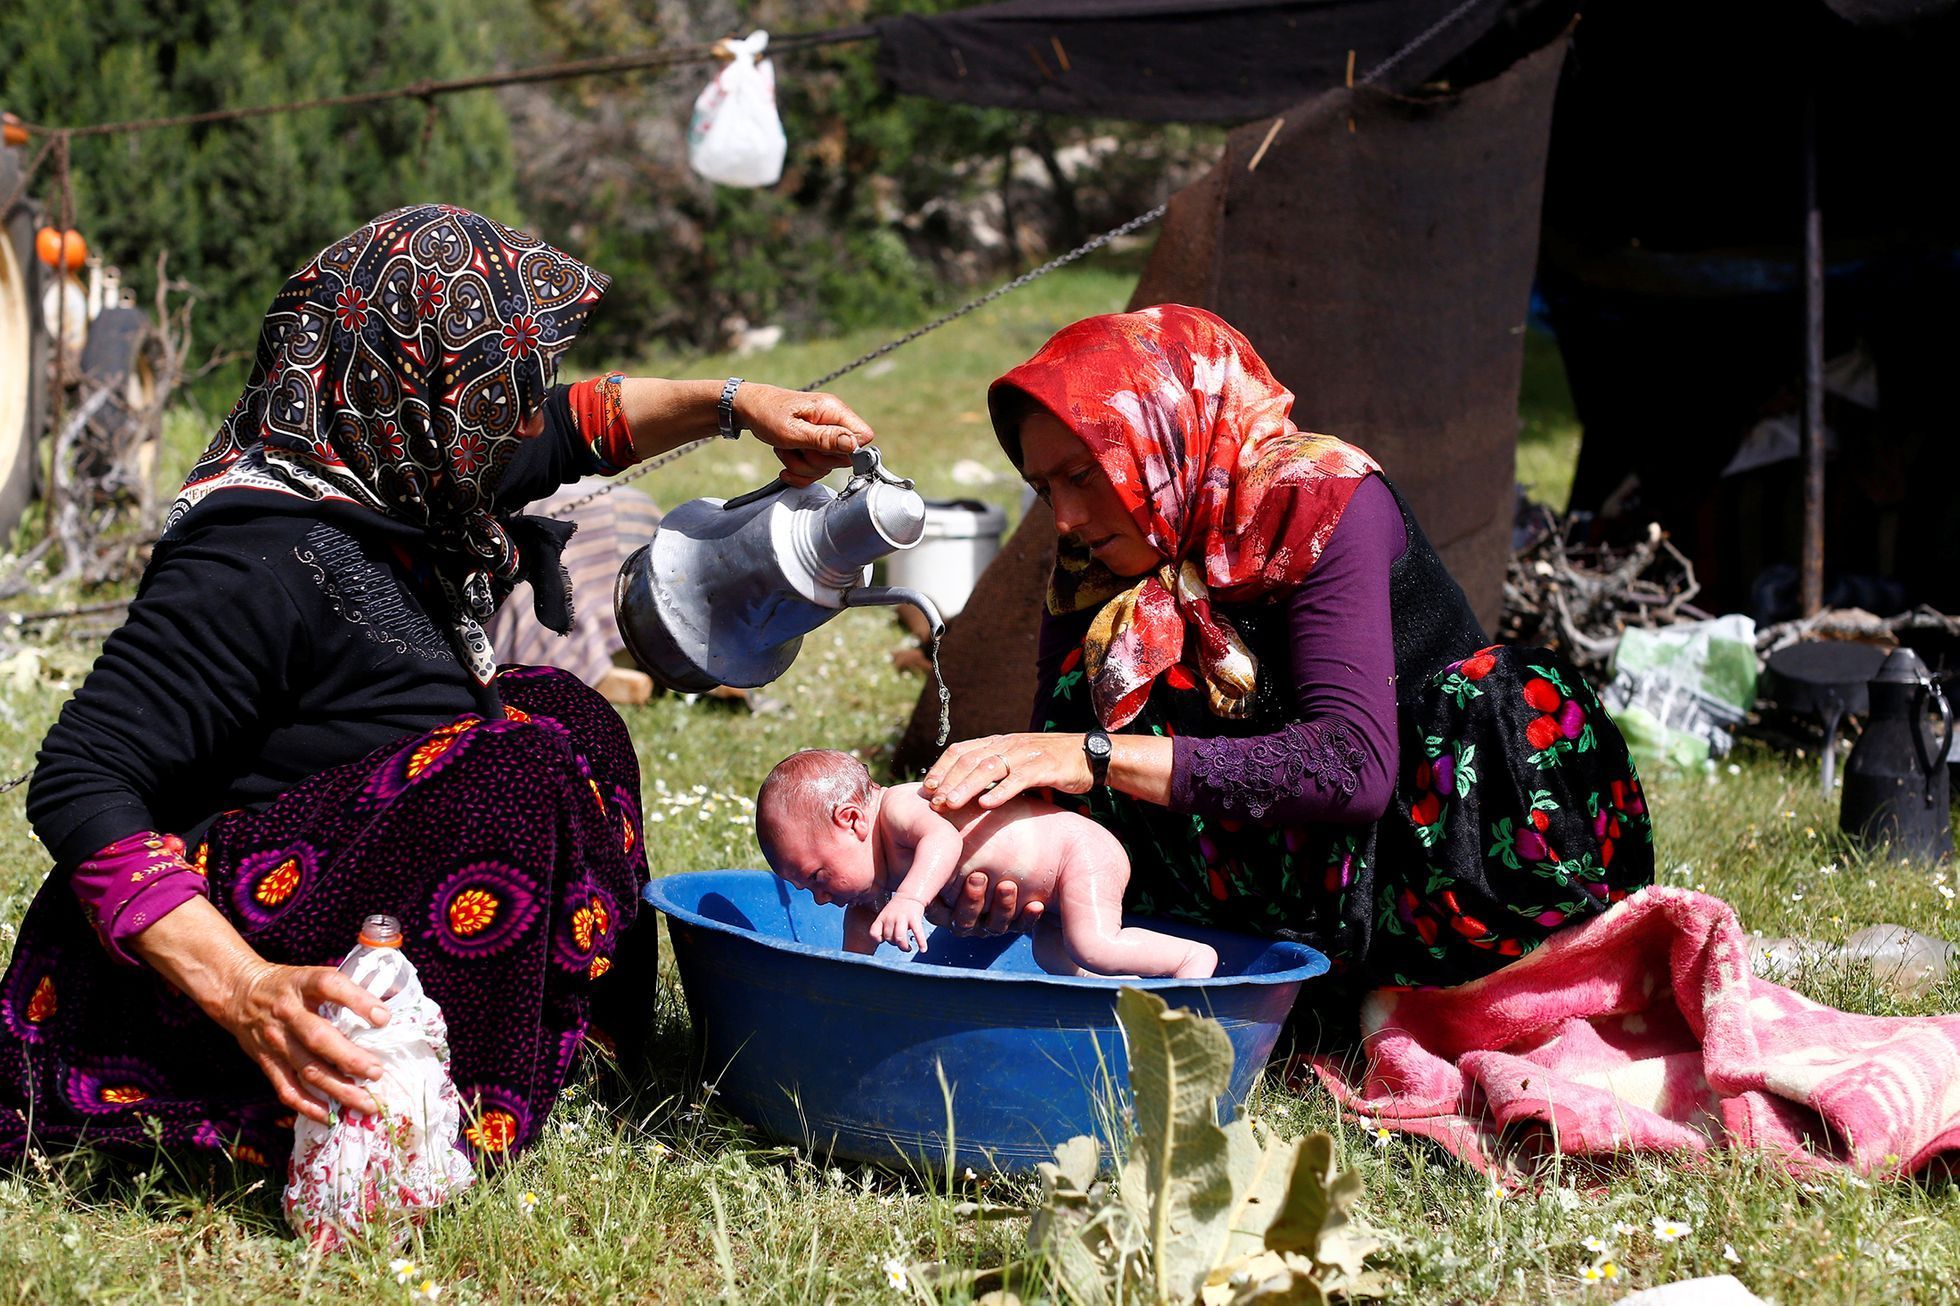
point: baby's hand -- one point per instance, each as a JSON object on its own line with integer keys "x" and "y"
{"x": 902, "y": 921}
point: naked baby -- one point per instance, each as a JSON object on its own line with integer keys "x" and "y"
{"x": 885, "y": 853}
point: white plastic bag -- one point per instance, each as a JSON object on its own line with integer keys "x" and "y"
{"x": 735, "y": 137}
{"x": 390, "y": 1169}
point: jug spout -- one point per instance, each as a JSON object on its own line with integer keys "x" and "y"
{"x": 878, "y": 596}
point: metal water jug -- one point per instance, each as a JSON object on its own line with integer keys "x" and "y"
{"x": 1896, "y": 789}
{"x": 725, "y": 591}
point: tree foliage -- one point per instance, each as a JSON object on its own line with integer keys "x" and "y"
{"x": 240, "y": 205}
{"x": 888, "y": 204}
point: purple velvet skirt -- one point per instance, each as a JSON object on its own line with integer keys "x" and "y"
{"x": 511, "y": 852}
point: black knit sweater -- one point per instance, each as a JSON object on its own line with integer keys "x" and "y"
{"x": 263, "y": 647}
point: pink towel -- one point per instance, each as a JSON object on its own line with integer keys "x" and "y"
{"x": 1643, "y": 1030}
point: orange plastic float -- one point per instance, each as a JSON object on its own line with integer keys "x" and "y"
{"x": 59, "y": 249}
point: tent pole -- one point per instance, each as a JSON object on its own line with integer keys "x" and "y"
{"x": 1813, "y": 369}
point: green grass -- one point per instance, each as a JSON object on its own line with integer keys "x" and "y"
{"x": 661, "y": 1198}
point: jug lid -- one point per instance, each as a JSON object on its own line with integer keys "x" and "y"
{"x": 1902, "y": 667}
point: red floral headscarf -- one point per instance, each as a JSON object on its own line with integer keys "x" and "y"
{"x": 1193, "y": 432}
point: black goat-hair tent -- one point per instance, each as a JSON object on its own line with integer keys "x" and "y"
{"x": 1383, "y": 252}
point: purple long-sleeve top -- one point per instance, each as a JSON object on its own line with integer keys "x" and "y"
{"x": 1336, "y": 762}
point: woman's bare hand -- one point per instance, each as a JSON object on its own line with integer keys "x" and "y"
{"x": 975, "y": 913}
{"x": 991, "y": 770}
{"x": 273, "y": 1012}
{"x": 812, "y": 433}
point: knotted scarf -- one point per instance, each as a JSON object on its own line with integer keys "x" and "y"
{"x": 1194, "y": 433}
{"x": 392, "y": 373}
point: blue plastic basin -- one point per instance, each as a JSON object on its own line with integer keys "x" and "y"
{"x": 843, "y": 1053}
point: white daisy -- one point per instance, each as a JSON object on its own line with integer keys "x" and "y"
{"x": 1669, "y": 1231}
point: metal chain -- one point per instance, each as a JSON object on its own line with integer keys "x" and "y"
{"x": 1089, "y": 246}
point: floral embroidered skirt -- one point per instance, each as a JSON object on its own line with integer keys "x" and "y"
{"x": 511, "y": 852}
{"x": 1517, "y": 810}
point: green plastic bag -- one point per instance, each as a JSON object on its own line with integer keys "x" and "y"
{"x": 1679, "y": 691}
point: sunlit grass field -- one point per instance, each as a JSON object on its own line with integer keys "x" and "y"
{"x": 656, "y": 1196}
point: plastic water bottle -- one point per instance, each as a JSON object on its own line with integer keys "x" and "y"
{"x": 1902, "y": 959}
{"x": 376, "y": 963}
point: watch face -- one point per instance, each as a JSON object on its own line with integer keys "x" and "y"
{"x": 1098, "y": 746}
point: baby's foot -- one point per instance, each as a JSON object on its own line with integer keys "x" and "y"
{"x": 1199, "y": 963}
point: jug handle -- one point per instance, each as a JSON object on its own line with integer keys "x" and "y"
{"x": 756, "y": 495}
{"x": 1946, "y": 735}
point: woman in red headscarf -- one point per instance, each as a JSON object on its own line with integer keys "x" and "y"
{"x": 1257, "y": 672}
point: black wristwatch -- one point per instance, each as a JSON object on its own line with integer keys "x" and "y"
{"x": 1096, "y": 745}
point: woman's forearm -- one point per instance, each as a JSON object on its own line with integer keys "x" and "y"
{"x": 195, "y": 948}
{"x": 1140, "y": 765}
{"x": 665, "y": 415}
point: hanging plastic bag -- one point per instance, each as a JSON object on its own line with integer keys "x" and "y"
{"x": 735, "y": 137}
{"x": 390, "y": 1169}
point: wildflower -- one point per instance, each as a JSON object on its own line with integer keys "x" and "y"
{"x": 1668, "y": 1231}
{"x": 658, "y": 1150}
{"x": 428, "y": 1291}
{"x": 969, "y": 1176}
{"x": 1810, "y": 832}
{"x": 1604, "y": 1272}
{"x": 1945, "y": 892}
{"x": 1735, "y": 768}
{"x": 1381, "y": 1137}
{"x": 1855, "y": 1182}
{"x": 71, "y": 1240}
{"x": 1828, "y": 868}
{"x": 894, "y": 1273}
{"x": 402, "y": 1268}
{"x": 1593, "y": 1243}
{"x": 527, "y": 1201}
{"x": 1728, "y": 1254}
{"x": 1622, "y": 1229}
{"x": 1497, "y": 1192}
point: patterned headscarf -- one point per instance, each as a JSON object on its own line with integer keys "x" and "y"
{"x": 1193, "y": 432}
{"x": 392, "y": 374}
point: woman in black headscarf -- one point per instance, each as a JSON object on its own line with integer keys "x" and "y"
{"x": 300, "y": 723}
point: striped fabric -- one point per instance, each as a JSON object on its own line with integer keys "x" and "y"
{"x": 609, "y": 528}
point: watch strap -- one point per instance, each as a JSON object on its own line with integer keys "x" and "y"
{"x": 1098, "y": 756}
{"x": 725, "y": 409}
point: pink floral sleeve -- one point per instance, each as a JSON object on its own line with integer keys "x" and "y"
{"x": 132, "y": 884}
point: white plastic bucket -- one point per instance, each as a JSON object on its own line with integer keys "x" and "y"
{"x": 961, "y": 538}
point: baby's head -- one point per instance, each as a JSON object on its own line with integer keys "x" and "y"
{"x": 813, "y": 818}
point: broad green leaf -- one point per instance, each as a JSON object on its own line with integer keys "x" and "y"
{"x": 1178, "y": 1182}
{"x": 1077, "y": 1159}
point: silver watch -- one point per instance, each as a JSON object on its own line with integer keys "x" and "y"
{"x": 725, "y": 409}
